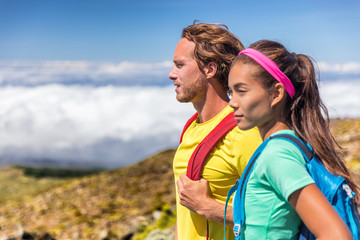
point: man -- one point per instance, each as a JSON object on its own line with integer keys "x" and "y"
{"x": 202, "y": 60}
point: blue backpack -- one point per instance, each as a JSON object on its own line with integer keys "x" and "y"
{"x": 335, "y": 189}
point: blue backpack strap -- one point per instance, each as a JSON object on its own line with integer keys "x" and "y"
{"x": 231, "y": 191}
{"x": 239, "y": 189}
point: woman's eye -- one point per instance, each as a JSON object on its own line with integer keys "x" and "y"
{"x": 240, "y": 90}
{"x": 229, "y": 93}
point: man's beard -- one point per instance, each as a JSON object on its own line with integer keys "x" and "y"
{"x": 190, "y": 92}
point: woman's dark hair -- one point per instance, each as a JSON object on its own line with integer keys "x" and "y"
{"x": 305, "y": 113}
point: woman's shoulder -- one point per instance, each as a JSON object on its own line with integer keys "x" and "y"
{"x": 282, "y": 148}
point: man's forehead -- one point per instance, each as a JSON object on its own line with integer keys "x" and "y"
{"x": 184, "y": 50}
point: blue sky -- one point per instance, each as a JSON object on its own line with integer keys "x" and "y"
{"x": 147, "y": 31}
{"x": 85, "y": 82}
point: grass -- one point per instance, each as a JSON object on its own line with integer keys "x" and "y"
{"x": 166, "y": 220}
{"x": 19, "y": 183}
{"x": 57, "y": 172}
{"x": 111, "y": 203}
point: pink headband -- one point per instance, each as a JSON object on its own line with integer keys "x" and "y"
{"x": 271, "y": 68}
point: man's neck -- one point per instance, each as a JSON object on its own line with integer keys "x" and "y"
{"x": 213, "y": 102}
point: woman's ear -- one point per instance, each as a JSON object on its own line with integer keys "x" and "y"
{"x": 210, "y": 70}
{"x": 278, "y": 95}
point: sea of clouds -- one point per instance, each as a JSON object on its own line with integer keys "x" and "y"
{"x": 87, "y": 114}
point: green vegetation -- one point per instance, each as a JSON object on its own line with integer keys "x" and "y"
{"x": 58, "y": 172}
{"x": 347, "y": 133}
{"x": 15, "y": 185}
{"x": 104, "y": 205}
{"x": 18, "y": 183}
{"x": 166, "y": 220}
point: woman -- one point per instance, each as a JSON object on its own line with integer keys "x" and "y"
{"x": 284, "y": 98}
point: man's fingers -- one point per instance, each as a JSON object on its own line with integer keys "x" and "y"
{"x": 203, "y": 180}
{"x": 184, "y": 178}
{"x": 179, "y": 184}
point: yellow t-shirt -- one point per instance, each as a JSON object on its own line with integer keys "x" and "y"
{"x": 223, "y": 166}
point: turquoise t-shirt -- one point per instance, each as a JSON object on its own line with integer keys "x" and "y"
{"x": 278, "y": 172}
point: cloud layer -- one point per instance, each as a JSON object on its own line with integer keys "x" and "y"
{"x": 47, "y": 117}
{"x": 22, "y": 73}
{"x": 105, "y": 125}
{"x": 341, "y": 97}
{"x": 340, "y": 68}
{"x": 27, "y": 73}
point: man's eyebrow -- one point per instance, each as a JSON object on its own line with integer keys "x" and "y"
{"x": 176, "y": 61}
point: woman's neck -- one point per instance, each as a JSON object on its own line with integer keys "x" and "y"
{"x": 268, "y": 130}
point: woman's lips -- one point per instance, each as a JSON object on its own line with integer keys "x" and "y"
{"x": 238, "y": 117}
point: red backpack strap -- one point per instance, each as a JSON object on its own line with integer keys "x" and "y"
{"x": 197, "y": 159}
{"x": 187, "y": 125}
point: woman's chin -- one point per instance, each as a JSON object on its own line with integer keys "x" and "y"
{"x": 244, "y": 126}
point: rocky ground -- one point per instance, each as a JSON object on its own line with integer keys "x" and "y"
{"x": 110, "y": 205}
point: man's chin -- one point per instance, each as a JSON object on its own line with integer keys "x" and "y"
{"x": 182, "y": 100}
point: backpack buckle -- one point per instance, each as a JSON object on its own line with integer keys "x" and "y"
{"x": 348, "y": 190}
{"x": 236, "y": 229}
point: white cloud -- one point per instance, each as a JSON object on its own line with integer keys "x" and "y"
{"x": 109, "y": 125}
{"x": 342, "y": 97}
{"x": 83, "y": 72}
{"x": 341, "y": 68}
{"x": 26, "y": 73}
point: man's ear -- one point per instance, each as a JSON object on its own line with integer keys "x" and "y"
{"x": 210, "y": 70}
{"x": 278, "y": 94}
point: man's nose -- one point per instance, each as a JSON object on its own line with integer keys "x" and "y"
{"x": 172, "y": 74}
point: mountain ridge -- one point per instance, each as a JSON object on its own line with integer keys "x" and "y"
{"x": 108, "y": 205}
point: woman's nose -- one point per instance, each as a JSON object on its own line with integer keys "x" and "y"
{"x": 232, "y": 103}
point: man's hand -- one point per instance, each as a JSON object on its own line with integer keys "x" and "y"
{"x": 196, "y": 196}
{"x": 193, "y": 194}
